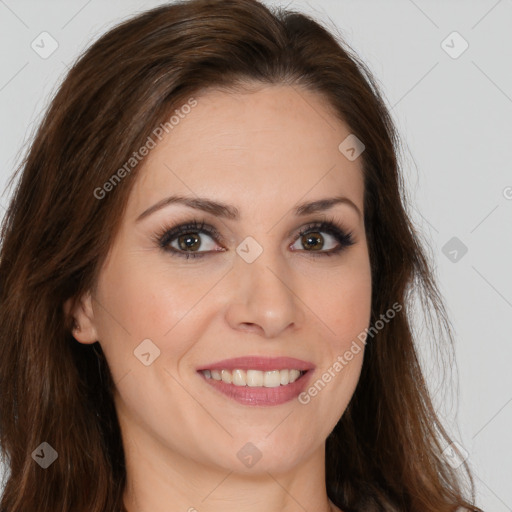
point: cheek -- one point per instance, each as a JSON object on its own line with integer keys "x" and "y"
{"x": 351, "y": 311}
{"x": 137, "y": 302}
{"x": 345, "y": 306}
{"x": 345, "y": 310}
{"x": 145, "y": 300}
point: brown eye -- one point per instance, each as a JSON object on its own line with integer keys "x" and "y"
{"x": 192, "y": 242}
{"x": 315, "y": 237}
{"x": 186, "y": 239}
{"x": 189, "y": 242}
{"x": 312, "y": 241}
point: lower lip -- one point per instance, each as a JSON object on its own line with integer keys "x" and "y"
{"x": 247, "y": 395}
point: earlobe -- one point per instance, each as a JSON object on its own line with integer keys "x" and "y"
{"x": 83, "y": 330}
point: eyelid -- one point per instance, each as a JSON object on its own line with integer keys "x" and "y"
{"x": 167, "y": 234}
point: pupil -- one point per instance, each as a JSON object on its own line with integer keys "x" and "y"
{"x": 309, "y": 240}
{"x": 189, "y": 242}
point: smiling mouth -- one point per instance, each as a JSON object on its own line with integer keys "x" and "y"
{"x": 255, "y": 378}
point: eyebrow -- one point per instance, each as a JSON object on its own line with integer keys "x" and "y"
{"x": 231, "y": 212}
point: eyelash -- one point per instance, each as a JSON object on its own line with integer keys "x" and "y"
{"x": 168, "y": 234}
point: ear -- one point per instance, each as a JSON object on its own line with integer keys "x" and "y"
{"x": 84, "y": 330}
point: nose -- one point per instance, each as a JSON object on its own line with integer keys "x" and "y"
{"x": 262, "y": 298}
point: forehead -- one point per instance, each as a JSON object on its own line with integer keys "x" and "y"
{"x": 278, "y": 143}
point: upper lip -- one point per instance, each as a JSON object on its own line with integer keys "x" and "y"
{"x": 259, "y": 363}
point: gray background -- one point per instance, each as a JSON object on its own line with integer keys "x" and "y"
{"x": 454, "y": 116}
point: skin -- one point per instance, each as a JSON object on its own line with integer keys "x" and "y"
{"x": 263, "y": 152}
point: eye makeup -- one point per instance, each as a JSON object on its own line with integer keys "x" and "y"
{"x": 194, "y": 228}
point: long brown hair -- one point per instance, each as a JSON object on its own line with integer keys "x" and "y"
{"x": 386, "y": 452}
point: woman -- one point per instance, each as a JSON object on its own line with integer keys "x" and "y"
{"x": 206, "y": 278}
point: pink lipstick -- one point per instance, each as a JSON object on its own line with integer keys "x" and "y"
{"x": 256, "y": 380}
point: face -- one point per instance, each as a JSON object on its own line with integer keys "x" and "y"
{"x": 257, "y": 279}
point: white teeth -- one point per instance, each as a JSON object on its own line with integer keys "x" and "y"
{"x": 294, "y": 375}
{"x": 254, "y": 378}
{"x": 239, "y": 378}
{"x": 272, "y": 379}
{"x": 226, "y": 376}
